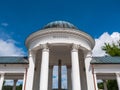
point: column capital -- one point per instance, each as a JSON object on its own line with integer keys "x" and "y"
{"x": 31, "y": 52}
{"x": 89, "y": 54}
{"x": 75, "y": 47}
{"x": 45, "y": 47}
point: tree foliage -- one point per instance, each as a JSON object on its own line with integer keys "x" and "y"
{"x": 112, "y": 85}
{"x": 100, "y": 85}
{"x": 112, "y": 50}
{"x": 11, "y": 87}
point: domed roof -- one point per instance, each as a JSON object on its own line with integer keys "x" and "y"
{"x": 60, "y": 24}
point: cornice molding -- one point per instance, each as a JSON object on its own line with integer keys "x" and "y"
{"x": 60, "y": 30}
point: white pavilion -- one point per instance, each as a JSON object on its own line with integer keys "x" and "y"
{"x": 60, "y": 43}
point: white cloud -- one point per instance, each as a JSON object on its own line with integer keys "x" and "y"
{"x": 104, "y": 38}
{"x": 8, "y": 48}
{"x": 8, "y": 45}
{"x": 4, "y": 24}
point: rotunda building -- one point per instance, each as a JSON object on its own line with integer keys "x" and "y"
{"x": 60, "y": 43}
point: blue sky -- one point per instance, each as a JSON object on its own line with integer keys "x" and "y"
{"x": 19, "y": 18}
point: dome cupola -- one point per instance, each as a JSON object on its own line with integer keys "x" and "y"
{"x": 59, "y": 24}
{"x": 59, "y": 33}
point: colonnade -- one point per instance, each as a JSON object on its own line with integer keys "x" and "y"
{"x": 105, "y": 82}
{"x": 46, "y": 71}
{"x": 2, "y": 79}
{"x": 74, "y": 69}
{"x": 74, "y": 73}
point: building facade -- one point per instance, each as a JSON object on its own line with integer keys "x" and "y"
{"x": 60, "y": 43}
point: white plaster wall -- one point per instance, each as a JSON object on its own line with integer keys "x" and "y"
{"x": 107, "y": 68}
{"x": 13, "y": 68}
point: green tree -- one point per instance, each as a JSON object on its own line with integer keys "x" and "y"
{"x": 112, "y": 50}
{"x": 100, "y": 85}
{"x": 19, "y": 87}
{"x": 112, "y": 85}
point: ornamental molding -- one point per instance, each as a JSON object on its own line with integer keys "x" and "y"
{"x": 45, "y": 47}
{"x": 44, "y": 32}
{"x": 89, "y": 54}
{"x": 75, "y": 47}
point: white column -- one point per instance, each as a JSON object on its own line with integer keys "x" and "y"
{"x": 118, "y": 80}
{"x": 69, "y": 85}
{"x": 30, "y": 73}
{"x": 23, "y": 86}
{"x": 1, "y": 80}
{"x": 95, "y": 81}
{"x": 88, "y": 69}
{"x": 14, "y": 84}
{"x": 105, "y": 85}
{"x": 24, "y": 80}
{"x": 44, "y": 69}
{"x": 50, "y": 77}
{"x": 76, "y": 85}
